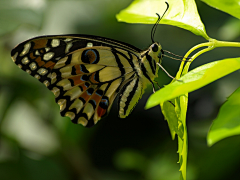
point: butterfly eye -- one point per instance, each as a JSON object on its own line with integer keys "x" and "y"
{"x": 155, "y": 47}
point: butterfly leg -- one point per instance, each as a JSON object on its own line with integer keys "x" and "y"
{"x": 168, "y": 73}
{"x": 154, "y": 90}
{"x": 157, "y": 84}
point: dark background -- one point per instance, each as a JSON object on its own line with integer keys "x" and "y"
{"x": 36, "y": 143}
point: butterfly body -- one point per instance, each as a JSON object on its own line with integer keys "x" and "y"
{"x": 86, "y": 73}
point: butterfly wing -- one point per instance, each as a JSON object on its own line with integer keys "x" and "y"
{"x": 85, "y": 73}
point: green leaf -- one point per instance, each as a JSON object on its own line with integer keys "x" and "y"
{"x": 229, "y": 6}
{"x": 181, "y": 13}
{"x": 227, "y": 122}
{"x": 176, "y": 118}
{"x": 194, "y": 79}
{"x": 181, "y": 110}
{"x": 175, "y": 125}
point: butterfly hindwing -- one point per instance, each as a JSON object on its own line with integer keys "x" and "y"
{"x": 84, "y": 73}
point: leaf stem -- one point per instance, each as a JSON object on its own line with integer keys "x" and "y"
{"x": 179, "y": 74}
{"x": 213, "y": 43}
{"x": 217, "y": 43}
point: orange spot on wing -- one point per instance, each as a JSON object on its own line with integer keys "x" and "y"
{"x": 77, "y": 80}
{"x": 78, "y": 70}
{"x": 85, "y": 96}
{"x": 91, "y": 55}
{"x": 40, "y": 43}
{"x": 39, "y": 61}
{"x": 32, "y": 56}
{"x": 96, "y": 98}
{"x": 101, "y": 112}
{"x": 92, "y": 78}
{"x": 49, "y": 65}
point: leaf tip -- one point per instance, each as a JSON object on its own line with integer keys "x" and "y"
{"x": 148, "y": 105}
{"x": 209, "y": 141}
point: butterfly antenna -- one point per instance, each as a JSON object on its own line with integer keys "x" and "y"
{"x": 155, "y": 25}
{"x": 176, "y": 58}
{"x": 175, "y": 55}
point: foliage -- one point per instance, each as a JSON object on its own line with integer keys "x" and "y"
{"x": 184, "y": 15}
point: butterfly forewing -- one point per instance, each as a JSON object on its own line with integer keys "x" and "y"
{"x": 85, "y": 73}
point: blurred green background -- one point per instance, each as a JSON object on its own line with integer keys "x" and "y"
{"x": 36, "y": 143}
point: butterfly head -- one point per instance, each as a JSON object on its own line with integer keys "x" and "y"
{"x": 156, "y": 52}
{"x": 150, "y": 58}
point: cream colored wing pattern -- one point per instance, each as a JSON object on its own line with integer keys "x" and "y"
{"x": 84, "y": 78}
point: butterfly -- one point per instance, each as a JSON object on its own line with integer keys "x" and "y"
{"x": 86, "y": 73}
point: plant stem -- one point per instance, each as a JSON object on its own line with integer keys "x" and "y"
{"x": 183, "y": 99}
